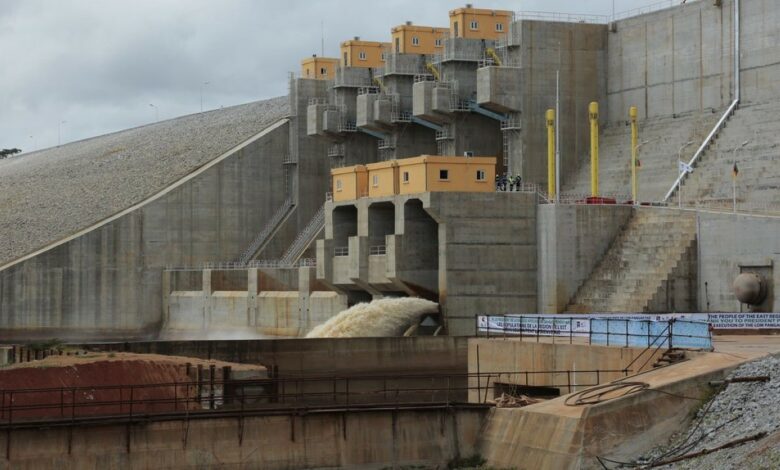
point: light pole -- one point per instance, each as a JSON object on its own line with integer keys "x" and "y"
{"x": 59, "y": 132}
{"x": 201, "y": 95}
{"x": 734, "y": 176}
{"x": 682, "y": 170}
{"x": 156, "y": 112}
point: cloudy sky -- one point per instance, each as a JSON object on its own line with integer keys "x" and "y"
{"x": 79, "y": 68}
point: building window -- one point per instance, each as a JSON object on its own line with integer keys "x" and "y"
{"x": 415, "y": 41}
{"x": 474, "y": 25}
{"x": 444, "y": 175}
{"x": 437, "y": 43}
{"x": 455, "y": 29}
{"x": 307, "y": 72}
{"x": 406, "y": 177}
{"x": 362, "y": 55}
{"x": 339, "y": 185}
{"x": 376, "y": 181}
{"x": 397, "y": 45}
{"x": 499, "y": 27}
{"x": 384, "y": 56}
{"x": 346, "y": 61}
{"x": 323, "y": 71}
{"x": 480, "y": 175}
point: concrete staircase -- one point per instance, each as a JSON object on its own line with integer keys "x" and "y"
{"x": 638, "y": 263}
{"x": 658, "y": 157}
{"x": 758, "y": 183}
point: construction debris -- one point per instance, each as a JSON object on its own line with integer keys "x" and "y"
{"x": 510, "y": 401}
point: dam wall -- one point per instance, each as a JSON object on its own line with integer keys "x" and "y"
{"x": 106, "y": 282}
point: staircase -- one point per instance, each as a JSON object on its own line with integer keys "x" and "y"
{"x": 304, "y": 239}
{"x": 639, "y": 261}
{"x": 751, "y": 138}
{"x": 265, "y": 234}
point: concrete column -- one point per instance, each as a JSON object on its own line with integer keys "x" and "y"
{"x": 251, "y": 296}
{"x": 206, "y": 293}
{"x": 166, "y": 294}
{"x": 306, "y": 276}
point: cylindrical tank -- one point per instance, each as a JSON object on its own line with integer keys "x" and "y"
{"x": 750, "y": 288}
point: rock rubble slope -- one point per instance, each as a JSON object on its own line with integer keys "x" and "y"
{"x": 51, "y": 194}
{"x": 740, "y": 410}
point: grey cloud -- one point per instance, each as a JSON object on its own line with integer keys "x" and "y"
{"x": 99, "y": 64}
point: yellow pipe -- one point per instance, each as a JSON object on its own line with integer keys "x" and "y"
{"x": 593, "y": 113}
{"x": 550, "y": 153}
{"x": 632, "y": 113}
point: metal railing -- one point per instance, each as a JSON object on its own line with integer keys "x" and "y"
{"x": 341, "y": 251}
{"x": 266, "y": 232}
{"x": 386, "y": 144}
{"x": 368, "y": 90}
{"x": 702, "y": 148}
{"x": 513, "y": 123}
{"x": 336, "y": 150}
{"x": 646, "y": 9}
{"x": 560, "y": 17}
{"x": 234, "y": 265}
{"x": 212, "y": 397}
{"x": 561, "y": 328}
{"x": 304, "y": 239}
{"x": 377, "y": 250}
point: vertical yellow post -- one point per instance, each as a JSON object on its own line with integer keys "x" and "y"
{"x": 593, "y": 113}
{"x": 632, "y": 113}
{"x": 550, "y": 153}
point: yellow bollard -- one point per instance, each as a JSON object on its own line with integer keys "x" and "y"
{"x": 593, "y": 113}
{"x": 632, "y": 113}
{"x": 550, "y": 153}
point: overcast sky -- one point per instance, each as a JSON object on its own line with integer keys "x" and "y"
{"x": 97, "y": 65}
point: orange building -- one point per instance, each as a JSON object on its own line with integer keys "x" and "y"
{"x": 320, "y": 68}
{"x": 426, "y": 173}
{"x": 430, "y": 173}
{"x": 478, "y": 23}
{"x": 412, "y": 39}
{"x": 349, "y": 183}
{"x": 357, "y": 53}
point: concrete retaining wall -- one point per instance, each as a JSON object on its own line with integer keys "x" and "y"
{"x": 106, "y": 283}
{"x": 361, "y": 439}
{"x": 729, "y": 243}
{"x": 572, "y": 241}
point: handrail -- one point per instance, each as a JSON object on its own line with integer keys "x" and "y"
{"x": 702, "y": 148}
{"x": 261, "y": 237}
{"x": 304, "y": 238}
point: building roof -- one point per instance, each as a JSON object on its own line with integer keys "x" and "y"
{"x": 360, "y": 42}
{"x": 315, "y": 59}
{"x": 480, "y": 11}
{"x": 414, "y": 27}
{"x": 51, "y": 194}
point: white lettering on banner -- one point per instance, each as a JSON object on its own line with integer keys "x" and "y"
{"x": 748, "y": 321}
{"x": 562, "y": 325}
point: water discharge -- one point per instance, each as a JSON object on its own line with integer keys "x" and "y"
{"x": 383, "y": 317}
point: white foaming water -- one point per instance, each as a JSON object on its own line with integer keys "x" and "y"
{"x": 383, "y": 317}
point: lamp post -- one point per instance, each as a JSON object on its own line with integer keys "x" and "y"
{"x": 734, "y": 176}
{"x": 59, "y": 132}
{"x": 682, "y": 170}
{"x": 201, "y": 95}
{"x": 156, "y": 112}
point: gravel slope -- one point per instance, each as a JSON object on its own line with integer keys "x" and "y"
{"x": 740, "y": 410}
{"x": 51, "y": 194}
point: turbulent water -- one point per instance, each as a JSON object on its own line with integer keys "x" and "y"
{"x": 384, "y": 317}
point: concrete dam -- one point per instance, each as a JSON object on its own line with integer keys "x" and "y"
{"x": 520, "y": 240}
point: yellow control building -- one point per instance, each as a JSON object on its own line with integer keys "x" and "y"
{"x": 319, "y": 68}
{"x": 426, "y": 173}
{"x": 478, "y": 23}
{"x": 358, "y": 53}
{"x": 412, "y": 39}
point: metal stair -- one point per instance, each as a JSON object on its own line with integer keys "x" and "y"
{"x": 268, "y": 230}
{"x": 304, "y": 239}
